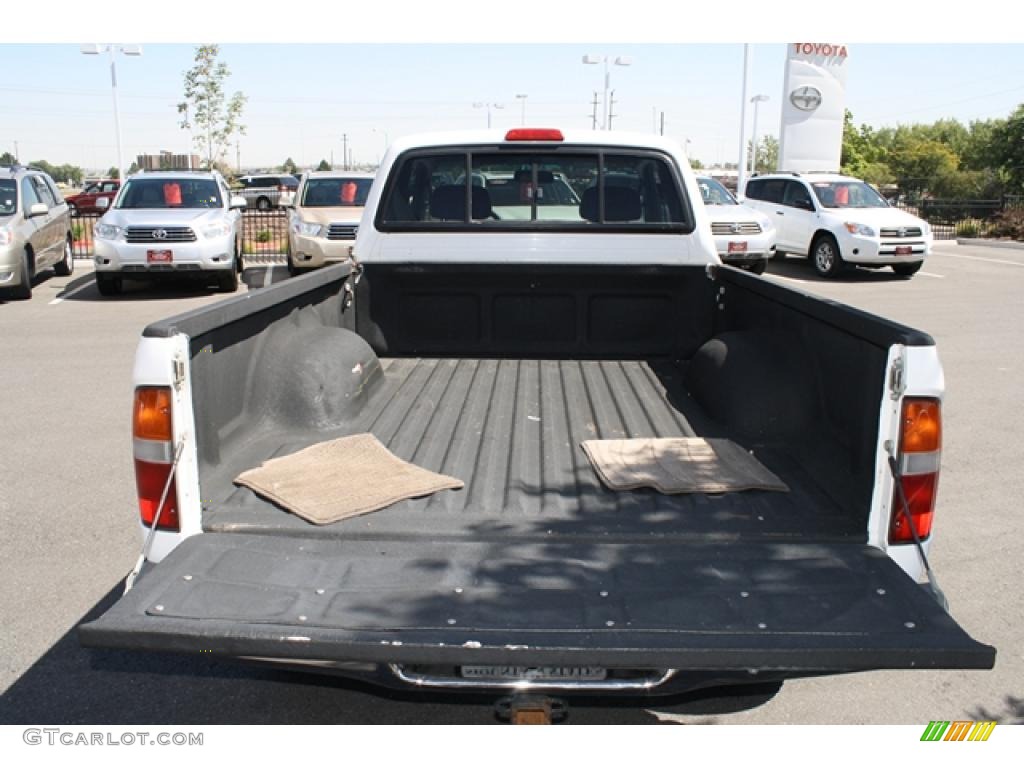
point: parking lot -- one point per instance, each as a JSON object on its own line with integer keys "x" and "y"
{"x": 68, "y": 516}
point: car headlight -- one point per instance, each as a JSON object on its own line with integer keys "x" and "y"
{"x": 306, "y": 228}
{"x": 218, "y": 230}
{"x": 859, "y": 229}
{"x": 106, "y": 231}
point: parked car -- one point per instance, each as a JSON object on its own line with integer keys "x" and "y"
{"x": 35, "y": 230}
{"x": 838, "y": 220}
{"x": 164, "y": 224}
{"x": 743, "y": 237}
{"x": 263, "y": 192}
{"x": 324, "y": 217}
{"x": 85, "y": 201}
{"x": 492, "y": 350}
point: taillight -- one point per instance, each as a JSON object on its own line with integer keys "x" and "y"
{"x": 153, "y": 448}
{"x": 918, "y": 460}
{"x": 534, "y": 134}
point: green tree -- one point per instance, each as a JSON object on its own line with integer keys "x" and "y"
{"x": 113, "y": 173}
{"x": 134, "y": 167}
{"x": 289, "y": 166}
{"x": 8, "y": 159}
{"x": 767, "y": 159}
{"x": 208, "y": 107}
{"x": 324, "y": 166}
{"x": 918, "y": 164}
{"x": 696, "y": 164}
{"x": 1008, "y": 150}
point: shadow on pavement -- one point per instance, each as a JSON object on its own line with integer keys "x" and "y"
{"x": 801, "y": 269}
{"x": 73, "y": 685}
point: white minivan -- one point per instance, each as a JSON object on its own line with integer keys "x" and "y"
{"x": 837, "y": 220}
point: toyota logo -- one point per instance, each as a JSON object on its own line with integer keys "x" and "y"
{"x": 903, "y": 232}
{"x": 806, "y": 98}
{"x": 159, "y": 234}
{"x": 735, "y": 228}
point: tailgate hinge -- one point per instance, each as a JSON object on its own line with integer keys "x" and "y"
{"x": 898, "y": 373}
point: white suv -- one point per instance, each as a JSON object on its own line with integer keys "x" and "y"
{"x": 837, "y": 220}
{"x": 744, "y": 238}
{"x": 170, "y": 224}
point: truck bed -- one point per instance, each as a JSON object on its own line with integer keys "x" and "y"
{"x": 511, "y": 430}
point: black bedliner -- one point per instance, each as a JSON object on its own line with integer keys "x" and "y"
{"x": 797, "y": 608}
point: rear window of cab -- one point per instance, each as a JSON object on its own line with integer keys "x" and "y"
{"x": 504, "y": 188}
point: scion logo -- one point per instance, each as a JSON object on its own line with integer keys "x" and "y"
{"x": 958, "y": 730}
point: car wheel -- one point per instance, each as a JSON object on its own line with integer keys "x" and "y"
{"x": 293, "y": 271}
{"x": 825, "y": 256}
{"x": 65, "y": 266}
{"x": 263, "y": 204}
{"x": 24, "y": 291}
{"x": 758, "y": 267}
{"x": 906, "y": 270}
{"x": 108, "y": 285}
{"x": 227, "y": 282}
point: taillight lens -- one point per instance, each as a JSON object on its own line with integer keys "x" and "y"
{"x": 153, "y": 432}
{"x": 150, "y": 480}
{"x": 918, "y": 460}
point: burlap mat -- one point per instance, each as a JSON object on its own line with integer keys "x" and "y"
{"x": 342, "y": 478}
{"x": 679, "y": 465}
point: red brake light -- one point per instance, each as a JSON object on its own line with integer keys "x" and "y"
{"x": 918, "y": 460}
{"x": 534, "y": 134}
{"x": 150, "y": 480}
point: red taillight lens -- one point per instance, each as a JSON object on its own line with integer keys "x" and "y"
{"x": 153, "y": 430}
{"x": 918, "y": 460}
{"x": 534, "y": 134}
{"x": 150, "y": 480}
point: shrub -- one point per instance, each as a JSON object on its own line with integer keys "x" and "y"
{"x": 1009, "y": 223}
{"x": 263, "y": 236}
{"x": 77, "y": 231}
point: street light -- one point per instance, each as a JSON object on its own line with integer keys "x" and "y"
{"x": 488, "y": 105}
{"x": 755, "y": 100}
{"x": 93, "y": 49}
{"x": 522, "y": 98}
{"x": 621, "y": 61}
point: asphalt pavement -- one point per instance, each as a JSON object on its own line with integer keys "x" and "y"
{"x": 68, "y": 532}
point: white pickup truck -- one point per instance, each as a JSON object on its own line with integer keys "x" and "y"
{"x": 488, "y": 344}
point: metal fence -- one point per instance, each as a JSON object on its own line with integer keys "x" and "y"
{"x": 264, "y": 235}
{"x": 948, "y": 216}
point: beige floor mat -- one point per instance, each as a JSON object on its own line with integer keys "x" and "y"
{"x": 342, "y": 478}
{"x": 679, "y": 465}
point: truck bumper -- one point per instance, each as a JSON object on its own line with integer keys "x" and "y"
{"x": 730, "y": 608}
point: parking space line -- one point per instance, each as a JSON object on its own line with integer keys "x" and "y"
{"x": 982, "y": 258}
{"x": 69, "y": 294}
{"x": 930, "y": 274}
{"x": 267, "y": 275}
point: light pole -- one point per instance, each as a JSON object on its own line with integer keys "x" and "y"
{"x": 522, "y": 102}
{"x": 488, "y": 105}
{"x": 386, "y": 142}
{"x": 741, "y": 166}
{"x": 621, "y": 61}
{"x": 93, "y": 49}
{"x": 755, "y": 100}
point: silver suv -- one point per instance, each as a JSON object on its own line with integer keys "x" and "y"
{"x": 170, "y": 224}
{"x": 35, "y": 230}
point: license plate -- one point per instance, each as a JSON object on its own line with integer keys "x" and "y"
{"x": 534, "y": 673}
{"x": 159, "y": 257}
{"x": 740, "y": 247}
{"x": 904, "y": 250}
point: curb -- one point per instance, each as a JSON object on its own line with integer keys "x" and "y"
{"x": 1012, "y": 244}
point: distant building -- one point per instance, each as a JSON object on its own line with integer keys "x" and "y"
{"x": 168, "y": 161}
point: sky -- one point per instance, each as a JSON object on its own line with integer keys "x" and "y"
{"x": 56, "y": 103}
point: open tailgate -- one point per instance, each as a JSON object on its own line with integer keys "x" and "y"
{"x": 799, "y": 607}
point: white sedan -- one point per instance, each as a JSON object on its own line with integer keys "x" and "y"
{"x": 743, "y": 237}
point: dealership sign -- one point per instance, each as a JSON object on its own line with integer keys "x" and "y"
{"x": 813, "y": 107}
